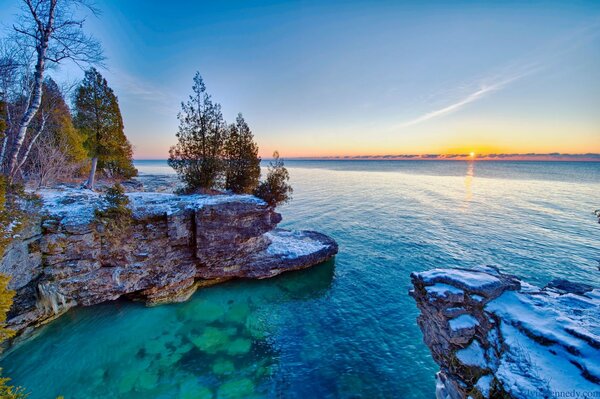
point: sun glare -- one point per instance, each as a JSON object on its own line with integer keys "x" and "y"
{"x": 472, "y": 154}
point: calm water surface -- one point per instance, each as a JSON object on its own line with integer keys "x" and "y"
{"x": 344, "y": 329}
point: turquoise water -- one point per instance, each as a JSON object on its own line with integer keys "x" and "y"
{"x": 344, "y": 329}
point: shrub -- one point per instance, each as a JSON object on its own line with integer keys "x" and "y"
{"x": 275, "y": 189}
{"x": 116, "y": 215}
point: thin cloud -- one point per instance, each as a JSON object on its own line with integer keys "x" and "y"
{"x": 515, "y": 71}
{"x": 141, "y": 91}
{"x": 480, "y": 93}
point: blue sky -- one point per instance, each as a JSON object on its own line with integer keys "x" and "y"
{"x": 368, "y": 78}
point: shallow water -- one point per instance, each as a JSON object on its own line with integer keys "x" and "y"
{"x": 345, "y": 328}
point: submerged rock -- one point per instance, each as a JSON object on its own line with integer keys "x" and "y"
{"x": 496, "y": 337}
{"x": 173, "y": 245}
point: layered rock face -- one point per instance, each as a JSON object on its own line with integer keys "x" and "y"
{"x": 173, "y": 245}
{"x": 495, "y": 336}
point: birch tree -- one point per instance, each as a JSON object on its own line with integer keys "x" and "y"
{"x": 52, "y": 30}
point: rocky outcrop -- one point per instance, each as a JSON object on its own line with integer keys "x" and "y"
{"x": 173, "y": 245}
{"x": 495, "y": 336}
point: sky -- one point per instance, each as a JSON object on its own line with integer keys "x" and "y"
{"x": 353, "y": 78}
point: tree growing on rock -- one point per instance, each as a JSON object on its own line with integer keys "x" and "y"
{"x": 50, "y": 31}
{"x": 197, "y": 156}
{"x": 242, "y": 164}
{"x": 98, "y": 118}
{"x": 275, "y": 189}
{"x": 6, "y": 298}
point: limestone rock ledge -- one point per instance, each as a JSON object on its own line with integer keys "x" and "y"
{"x": 174, "y": 245}
{"x": 495, "y": 336}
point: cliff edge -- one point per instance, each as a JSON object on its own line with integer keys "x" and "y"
{"x": 495, "y": 336}
{"x": 174, "y": 244}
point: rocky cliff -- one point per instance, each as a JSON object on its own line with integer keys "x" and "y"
{"x": 174, "y": 244}
{"x": 495, "y": 336}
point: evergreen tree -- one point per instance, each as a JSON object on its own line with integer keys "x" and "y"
{"x": 197, "y": 157}
{"x": 242, "y": 164}
{"x": 98, "y": 117}
{"x": 59, "y": 124}
{"x": 275, "y": 189}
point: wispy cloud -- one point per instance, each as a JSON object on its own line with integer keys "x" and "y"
{"x": 513, "y": 72}
{"x": 494, "y": 84}
{"x": 140, "y": 91}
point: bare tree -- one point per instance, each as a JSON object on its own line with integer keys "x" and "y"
{"x": 53, "y": 31}
{"x": 49, "y": 161}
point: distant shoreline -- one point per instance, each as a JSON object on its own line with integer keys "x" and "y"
{"x": 589, "y": 159}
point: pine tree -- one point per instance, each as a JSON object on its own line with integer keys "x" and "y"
{"x": 197, "y": 157}
{"x": 242, "y": 164}
{"x": 98, "y": 117}
{"x": 275, "y": 190}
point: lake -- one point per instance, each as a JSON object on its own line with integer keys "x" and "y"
{"x": 343, "y": 329}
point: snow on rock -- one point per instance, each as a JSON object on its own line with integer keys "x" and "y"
{"x": 485, "y": 282}
{"x": 463, "y": 322}
{"x": 515, "y": 340}
{"x": 292, "y": 244}
{"x": 443, "y": 290}
{"x": 472, "y": 355}
{"x": 484, "y": 384}
{"x": 77, "y": 206}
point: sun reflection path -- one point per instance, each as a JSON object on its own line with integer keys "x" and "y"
{"x": 469, "y": 180}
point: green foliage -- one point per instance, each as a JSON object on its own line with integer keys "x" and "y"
{"x": 10, "y": 392}
{"x": 6, "y": 298}
{"x": 242, "y": 164}
{"x": 209, "y": 154}
{"x": 98, "y": 118}
{"x": 60, "y": 124}
{"x": 197, "y": 156}
{"x": 275, "y": 189}
{"x": 116, "y": 215}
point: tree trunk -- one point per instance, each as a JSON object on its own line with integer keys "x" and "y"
{"x": 32, "y": 142}
{"x": 90, "y": 182}
{"x": 38, "y": 81}
{"x": 32, "y": 109}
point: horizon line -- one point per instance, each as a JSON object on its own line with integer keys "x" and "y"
{"x": 551, "y": 157}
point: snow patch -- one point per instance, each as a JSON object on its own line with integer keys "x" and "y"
{"x": 472, "y": 355}
{"x": 463, "y": 322}
{"x": 77, "y": 206}
{"x": 484, "y": 384}
{"x": 292, "y": 244}
{"x": 470, "y": 279}
{"x": 441, "y": 290}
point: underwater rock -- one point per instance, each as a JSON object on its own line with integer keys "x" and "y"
{"x": 236, "y": 389}
{"x": 239, "y": 346}
{"x": 223, "y": 367}
{"x": 497, "y": 337}
{"x": 173, "y": 245}
{"x": 211, "y": 340}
